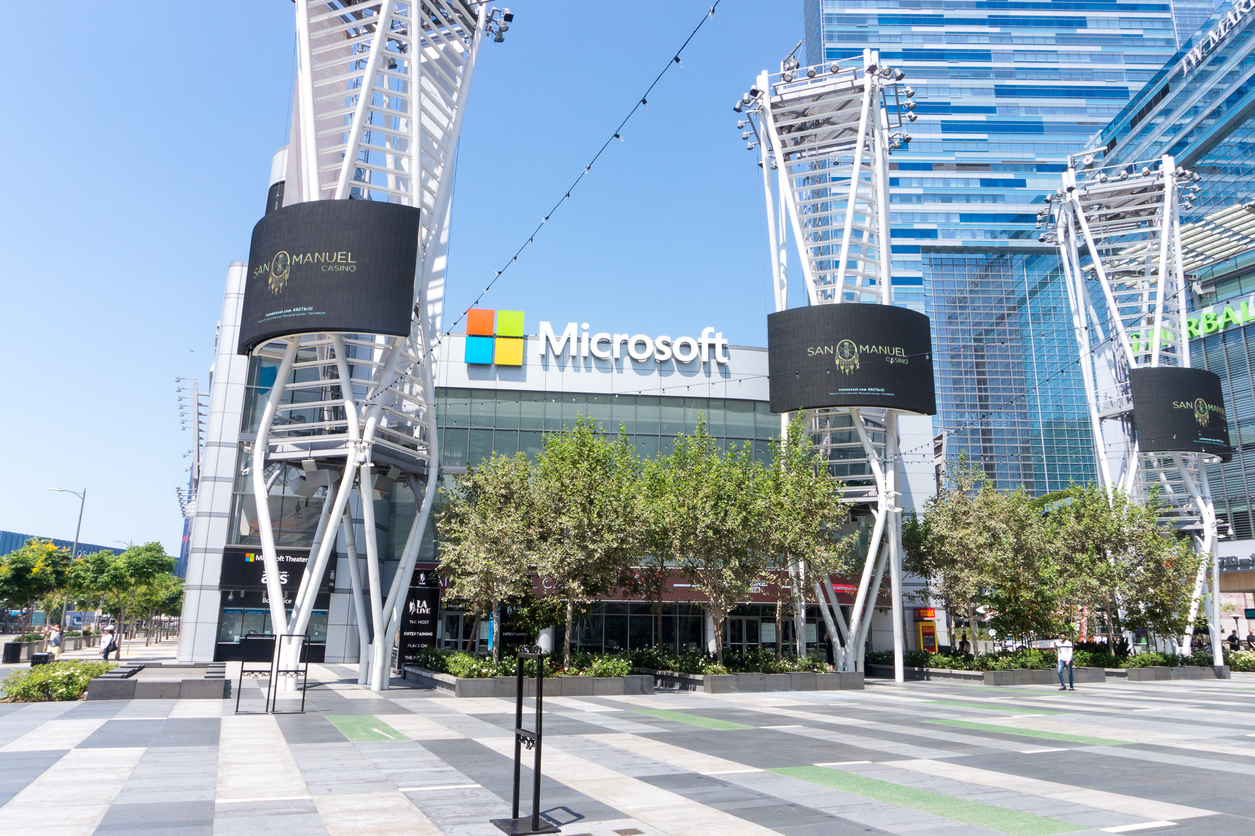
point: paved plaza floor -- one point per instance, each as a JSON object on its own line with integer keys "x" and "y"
{"x": 955, "y": 759}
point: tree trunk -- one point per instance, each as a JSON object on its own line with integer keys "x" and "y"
{"x": 717, "y": 617}
{"x": 971, "y": 626}
{"x": 496, "y": 633}
{"x": 566, "y": 640}
{"x": 779, "y": 624}
{"x": 472, "y": 641}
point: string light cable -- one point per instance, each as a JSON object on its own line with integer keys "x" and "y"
{"x": 617, "y": 133}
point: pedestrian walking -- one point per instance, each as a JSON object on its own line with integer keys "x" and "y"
{"x": 1235, "y": 644}
{"x": 108, "y": 644}
{"x": 1250, "y": 639}
{"x": 1063, "y": 650}
{"x": 54, "y": 642}
{"x": 964, "y": 645}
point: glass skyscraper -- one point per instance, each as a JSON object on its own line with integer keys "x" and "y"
{"x": 1006, "y": 89}
{"x": 1202, "y": 111}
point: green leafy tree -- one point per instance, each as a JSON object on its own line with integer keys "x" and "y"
{"x": 950, "y": 544}
{"x": 32, "y": 572}
{"x": 805, "y": 507}
{"x": 161, "y": 595}
{"x": 1025, "y": 574}
{"x": 485, "y": 527}
{"x": 586, "y": 515}
{"x": 715, "y": 508}
{"x": 118, "y": 578}
{"x": 1118, "y": 556}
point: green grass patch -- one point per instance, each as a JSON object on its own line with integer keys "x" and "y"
{"x": 1018, "y": 709}
{"x": 1012, "y": 822}
{"x": 691, "y": 719}
{"x": 364, "y": 728}
{"x": 1048, "y": 735}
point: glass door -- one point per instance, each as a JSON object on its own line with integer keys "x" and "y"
{"x": 743, "y": 632}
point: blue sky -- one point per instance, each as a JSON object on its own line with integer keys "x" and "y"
{"x": 135, "y": 163}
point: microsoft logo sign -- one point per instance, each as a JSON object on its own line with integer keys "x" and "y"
{"x": 487, "y": 343}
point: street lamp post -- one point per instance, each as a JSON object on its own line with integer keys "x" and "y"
{"x": 73, "y": 551}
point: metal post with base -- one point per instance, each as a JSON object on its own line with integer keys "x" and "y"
{"x": 531, "y": 739}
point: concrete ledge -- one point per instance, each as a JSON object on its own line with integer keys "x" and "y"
{"x": 555, "y": 686}
{"x": 1160, "y": 673}
{"x": 751, "y": 683}
{"x": 994, "y": 678}
{"x": 102, "y": 688}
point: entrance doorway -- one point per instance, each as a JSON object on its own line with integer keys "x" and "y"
{"x": 744, "y": 632}
{"x": 457, "y": 630}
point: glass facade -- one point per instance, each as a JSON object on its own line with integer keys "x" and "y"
{"x": 475, "y": 423}
{"x": 1005, "y": 92}
{"x": 1203, "y": 114}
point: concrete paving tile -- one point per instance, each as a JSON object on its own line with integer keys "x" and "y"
{"x": 178, "y": 818}
{"x": 282, "y": 817}
{"x": 373, "y": 814}
{"x": 115, "y": 734}
{"x": 19, "y": 769}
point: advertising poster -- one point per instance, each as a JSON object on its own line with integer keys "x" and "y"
{"x": 1179, "y": 410}
{"x": 330, "y": 266}
{"x": 418, "y": 617}
{"x": 850, "y": 355}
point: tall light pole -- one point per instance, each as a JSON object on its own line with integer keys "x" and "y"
{"x": 82, "y": 500}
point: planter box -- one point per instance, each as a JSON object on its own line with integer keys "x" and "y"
{"x": 125, "y": 683}
{"x": 914, "y": 674}
{"x": 995, "y": 678}
{"x": 752, "y": 683}
{"x": 79, "y": 642}
{"x": 555, "y": 686}
{"x": 1159, "y": 673}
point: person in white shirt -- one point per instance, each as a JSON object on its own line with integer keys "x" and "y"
{"x": 107, "y": 644}
{"x": 1063, "y": 649}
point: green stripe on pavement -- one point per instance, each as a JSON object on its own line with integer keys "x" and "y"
{"x": 1019, "y": 709}
{"x": 363, "y": 728}
{"x": 1070, "y": 738}
{"x": 925, "y": 801}
{"x": 691, "y": 719}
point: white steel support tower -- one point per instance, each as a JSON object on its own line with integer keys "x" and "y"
{"x": 380, "y": 95}
{"x": 824, "y": 136}
{"x": 1118, "y": 230}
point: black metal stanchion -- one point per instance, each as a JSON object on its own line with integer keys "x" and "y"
{"x": 531, "y": 739}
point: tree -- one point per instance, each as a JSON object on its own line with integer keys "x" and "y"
{"x": 161, "y": 595}
{"x": 805, "y": 507}
{"x": 485, "y": 526}
{"x": 119, "y": 577}
{"x": 715, "y": 510}
{"x": 950, "y": 545}
{"x": 1024, "y": 572}
{"x": 1119, "y": 556}
{"x": 586, "y": 515}
{"x": 32, "y": 572}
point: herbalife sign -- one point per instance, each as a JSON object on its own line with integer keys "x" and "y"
{"x": 1206, "y": 43}
{"x": 1203, "y": 323}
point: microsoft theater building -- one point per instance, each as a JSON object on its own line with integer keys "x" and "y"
{"x": 501, "y": 385}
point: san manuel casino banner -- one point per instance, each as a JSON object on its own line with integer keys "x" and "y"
{"x": 1179, "y": 410}
{"x": 330, "y": 265}
{"x": 850, "y": 355}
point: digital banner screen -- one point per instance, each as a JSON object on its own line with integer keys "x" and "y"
{"x": 330, "y": 266}
{"x": 418, "y": 618}
{"x": 1179, "y": 410}
{"x": 850, "y": 355}
{"x": 244, "y": 569}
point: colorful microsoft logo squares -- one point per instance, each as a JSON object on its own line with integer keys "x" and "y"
{"x": 500, "y": 343}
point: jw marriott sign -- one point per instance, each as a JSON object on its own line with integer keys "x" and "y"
{"x": 1235, "y": 15}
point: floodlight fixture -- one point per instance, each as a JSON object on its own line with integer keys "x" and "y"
{"x": 911, "y": 117}
{"x": 810, "y": 72}
{"x": 786, "y": 77}
{"x": 909, "y": 92}
{"x": 898, "y": 75}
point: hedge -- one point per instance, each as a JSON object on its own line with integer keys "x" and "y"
{"x": 55, "y": 682}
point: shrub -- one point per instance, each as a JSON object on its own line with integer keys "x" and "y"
{"x": 466, "y": 666}
{"x": 58, "y": 681}
{"x": 432, "y": 658}
{"x": 1241, "y": 660}
{"x": 713, "y": 669}
{"x": 31, "y": 637}
{"x": 609, "y": 666}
